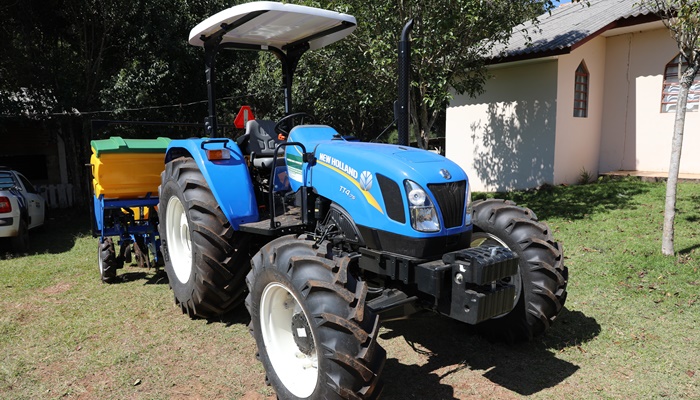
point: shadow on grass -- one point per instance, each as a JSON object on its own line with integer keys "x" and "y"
{"x": 151, "y": 277}
{"x": 238, "y": 316}
{"x": 576, "y": 202}
{"x": 689, "y": 249}
{"x": 58, "y": 234}
{"x": 451, "y": 346}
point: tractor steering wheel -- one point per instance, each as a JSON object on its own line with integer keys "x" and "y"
{"x": 281, "y": 125}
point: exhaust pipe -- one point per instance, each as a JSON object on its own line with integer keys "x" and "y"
{"x": 402, "y": 109}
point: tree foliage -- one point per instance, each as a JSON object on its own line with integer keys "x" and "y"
{"x": 682, "y": 18}
{"x": 352, "y": 84}
{"x": 87, "y": 55}
{"x": 450, "y": 40}
{"x": 67, "y": 61}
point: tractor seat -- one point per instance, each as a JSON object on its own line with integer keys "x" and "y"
{"x": 262, "y": 142}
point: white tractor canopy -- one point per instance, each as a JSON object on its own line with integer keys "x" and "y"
{"x": 274, "y": 25}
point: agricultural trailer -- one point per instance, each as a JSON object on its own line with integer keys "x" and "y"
{"x": 124, "y": 190}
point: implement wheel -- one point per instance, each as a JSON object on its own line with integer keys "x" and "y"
{"x": 315, "y": 336}
{"x": 107, "y": 260}
{"x": 205, "y": 259}
{"x": 540, "y": 284}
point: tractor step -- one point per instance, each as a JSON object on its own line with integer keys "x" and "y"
{"x": 393, "y": 305}
{"x": 289, "y": 222}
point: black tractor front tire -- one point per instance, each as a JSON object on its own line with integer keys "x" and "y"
{"x": 206, "y": 260}
{"x": 315, "y": 336}
{"x": 542, "y": 277}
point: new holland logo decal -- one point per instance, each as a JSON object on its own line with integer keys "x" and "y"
{"x": 366, "y": 181}
{"x": 350, "y": 173}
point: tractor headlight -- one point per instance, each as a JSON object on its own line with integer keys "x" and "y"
{"x": 424, "y": 216}
{"x": 417, "y": 197}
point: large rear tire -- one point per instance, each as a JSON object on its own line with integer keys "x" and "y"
{"x": 315, "y": 336}
{"x": 540, "y": 284}
{"x": 205, "y": 258}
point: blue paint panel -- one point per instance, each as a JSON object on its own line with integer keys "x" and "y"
{"x": 310, "y": 136}
{"x": 345, "y": 172}
{"x": 229, "y": 180}
{"x": 115, "y": 228}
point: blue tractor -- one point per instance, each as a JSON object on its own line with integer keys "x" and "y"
{"x": 322, "y": 236}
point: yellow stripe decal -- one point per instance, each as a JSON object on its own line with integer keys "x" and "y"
{"x": 368, "y": 196}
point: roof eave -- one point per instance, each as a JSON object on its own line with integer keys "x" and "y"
{"x": 619, "y": 23}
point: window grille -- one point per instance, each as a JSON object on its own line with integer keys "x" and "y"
{"x": 669, "y": 94}
{"x": 581, "y": 91}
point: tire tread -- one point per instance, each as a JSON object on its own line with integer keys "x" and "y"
{"x": 220, "y": 252}
{"x": 541, "y": 266}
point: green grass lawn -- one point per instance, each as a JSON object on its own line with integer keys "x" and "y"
{"x": 644, "y": 304}
{"x": 629, "y": 328}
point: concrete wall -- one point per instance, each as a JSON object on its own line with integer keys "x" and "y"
{"x": 578, "y": 138}
{"x": 636, "y": 135}
{"x": 505, "y": 139}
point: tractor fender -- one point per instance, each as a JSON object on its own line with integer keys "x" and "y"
{"x": 229, "y": 180}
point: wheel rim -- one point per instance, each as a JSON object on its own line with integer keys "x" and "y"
{"x": 179, "y": 243}
{"x": 486, "y": 239}
{"x": 280, "y": 313}
{"x": 100, "y": 261}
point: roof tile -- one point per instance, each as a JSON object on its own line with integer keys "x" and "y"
{"x": 565, "y": 26}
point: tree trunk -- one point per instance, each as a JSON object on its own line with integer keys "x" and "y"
{"x": 676, "y": 146}
{"x": 75, "y": 155}
{"x": 423, "y": 119}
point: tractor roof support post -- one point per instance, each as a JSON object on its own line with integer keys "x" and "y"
{"x": 290, "y": 61}
{"x": 288, "y": 68}
{"x": 211, "y": 48}
{"x": 287, "y": 80}
{"x": 404, "y": 84}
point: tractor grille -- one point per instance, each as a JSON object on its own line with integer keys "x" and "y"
{"x": 392, "y": 198}
{"x": 450, "y": 199}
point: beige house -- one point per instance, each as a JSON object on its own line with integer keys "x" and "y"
{"x": 593, "y": 92}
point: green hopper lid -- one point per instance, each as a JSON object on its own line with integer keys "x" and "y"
{"x": 117, "y": 145}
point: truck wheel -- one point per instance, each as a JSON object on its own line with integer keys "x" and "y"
{"x": 20, "y": 243}
{"x": 540, "y": 284}
{"x": 205, "y": 259}
{"x": 107, "y": 260}
{"x": 315, "y": 336}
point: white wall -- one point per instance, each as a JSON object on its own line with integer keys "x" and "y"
{"x": 505, "y": 139}
{"x": 521, "y": 132}
{"x": 636, "y": 135}
{"x": 578, "y": 139}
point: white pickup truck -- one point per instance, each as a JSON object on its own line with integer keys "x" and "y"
{"x": 21, "y": 208}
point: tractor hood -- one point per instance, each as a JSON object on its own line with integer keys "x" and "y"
{"x": 369, "y": 181}
{"x": 397, "y": 162}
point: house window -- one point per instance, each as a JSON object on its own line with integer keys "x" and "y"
{"x": 581, "y": 91}
{"x": 669, "y": 96}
